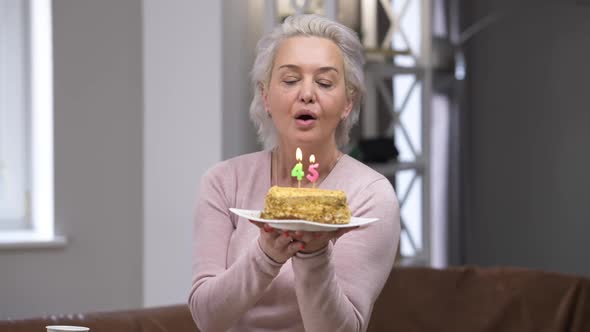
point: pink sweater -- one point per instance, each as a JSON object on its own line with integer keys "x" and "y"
{"x": 236, "y": 287}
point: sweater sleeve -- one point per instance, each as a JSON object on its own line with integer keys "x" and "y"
{"x": 336, "y": 289}
{"x": 220, "y": 295}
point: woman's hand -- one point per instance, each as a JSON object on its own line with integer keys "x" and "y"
{"x": 278, "y": 245}
{"x": 314, "y": 241}
{"x": 281, "y": 245}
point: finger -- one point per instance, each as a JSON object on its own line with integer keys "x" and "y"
{"x": 267, "y": 228}
{"x": 262, "y": 225}
{"x": 283, "y": 240}
{"x": 305, "y": 237}
{"x": 268, "y": 233}
{"x": 324, "y": 236}
{"x": 295, "y": 246}
{"x": 257, "y": 223}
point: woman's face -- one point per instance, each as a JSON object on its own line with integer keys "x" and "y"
{"x": 306, "y": 95}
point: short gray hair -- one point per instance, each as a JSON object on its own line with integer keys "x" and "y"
{"x": 307, "y": 26}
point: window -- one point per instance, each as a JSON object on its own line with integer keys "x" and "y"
{"x": 14, "y": 173}
{"x": 26, "y": 123}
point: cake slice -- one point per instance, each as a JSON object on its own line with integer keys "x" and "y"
{"x": 319, "y": 205}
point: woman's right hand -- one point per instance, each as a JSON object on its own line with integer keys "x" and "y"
{"x": 278, "y": 245}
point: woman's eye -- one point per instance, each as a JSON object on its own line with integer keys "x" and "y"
{"x": 325, "y": 84}
{"x": 290, "y": 81}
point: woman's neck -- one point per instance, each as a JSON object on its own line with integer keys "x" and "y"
{"x": 284, "y": 159}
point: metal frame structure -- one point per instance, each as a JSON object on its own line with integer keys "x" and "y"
{"x": 377, "y": 73}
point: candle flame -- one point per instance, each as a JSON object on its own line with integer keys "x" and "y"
{"x": 298, "y": 154}
{"x": 312, "y": 159}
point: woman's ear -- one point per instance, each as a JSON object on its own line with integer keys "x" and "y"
{"x": 347, "y": 108}
{"x": 264, "y": 96}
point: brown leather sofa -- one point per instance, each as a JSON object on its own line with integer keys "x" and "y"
{"x": 413, "y": 300}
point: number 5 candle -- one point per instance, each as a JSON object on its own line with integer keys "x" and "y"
{"x": 313, "y": 169}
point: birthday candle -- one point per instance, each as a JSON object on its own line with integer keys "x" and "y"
{"x": 297, "y": 170}
{"x": 313, "y": 169}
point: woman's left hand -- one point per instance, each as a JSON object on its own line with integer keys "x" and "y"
{"x": 314, "y": 241}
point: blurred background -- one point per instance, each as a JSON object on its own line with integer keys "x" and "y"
{"x": 111, "y": 111}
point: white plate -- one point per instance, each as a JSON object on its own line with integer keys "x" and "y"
{"x": 301, "y": 225}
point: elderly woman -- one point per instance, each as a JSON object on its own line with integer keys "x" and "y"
{"x": 308, "y": 82}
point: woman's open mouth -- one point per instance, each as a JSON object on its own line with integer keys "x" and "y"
{"x": 305, "y": 119}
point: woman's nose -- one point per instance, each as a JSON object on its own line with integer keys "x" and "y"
{"x": 307, "y": 94}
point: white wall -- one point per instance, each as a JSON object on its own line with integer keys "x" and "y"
{"x": 98, "y": 163}
{"x": 182, "y": 134}
{"x": 134, "y": 133}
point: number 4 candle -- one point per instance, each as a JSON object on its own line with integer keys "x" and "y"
{"x": 297, "y": 171}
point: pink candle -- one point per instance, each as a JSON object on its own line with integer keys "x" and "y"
{"x": 313, "y": 177}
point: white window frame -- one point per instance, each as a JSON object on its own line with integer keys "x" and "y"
{"x": 41, "y": 232}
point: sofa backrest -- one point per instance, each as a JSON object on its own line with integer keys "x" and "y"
{"x": 482, "y": 299}
{"x": 175, "y": 318}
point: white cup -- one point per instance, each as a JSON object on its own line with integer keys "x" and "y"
{"x": 63, "y": 328}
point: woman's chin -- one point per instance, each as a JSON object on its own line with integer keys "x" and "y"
{"x": 308, "y": 138}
